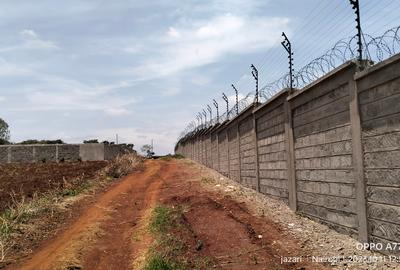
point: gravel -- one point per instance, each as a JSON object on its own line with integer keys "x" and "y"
{"x": 315, "y": 239}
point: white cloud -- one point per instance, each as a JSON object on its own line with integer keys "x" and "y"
{"x": 53, "y": 93}
{"x": 171, "y": 91}
{"x": 117, "y": 111}
{"x": 232, "y": 99}
{"x": 31, "y": 41}
{"x": 75, "y": 99}
{"x": 10, "y": 69}
{"x": 163, "y": 140}
{"x": 206, "y": 42}
{"x": 28, "y": 34}
{"x": 2, "y": 99}
{"x": 172, "y": 32}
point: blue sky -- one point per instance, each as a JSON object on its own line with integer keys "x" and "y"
{"x": 77, "y": 70}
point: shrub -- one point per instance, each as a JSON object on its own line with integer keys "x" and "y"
{"x": 91, "y": 141}
{"x": 123, "y": 165}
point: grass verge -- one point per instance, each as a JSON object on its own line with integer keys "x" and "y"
{"x": 170, "y": 157}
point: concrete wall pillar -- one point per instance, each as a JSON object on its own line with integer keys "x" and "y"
{"x": 358, "y": 163}
{"x": 256, "y": 159}
{"x": 239, "y": 156}
{"x": 290, "y": 157}
{"x": 57, "y": 154}
{"x": 9, "y": 154}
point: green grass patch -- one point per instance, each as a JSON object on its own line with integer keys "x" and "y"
{"x": 170, "y": 157}
{"x": 162, "y": 219}
{"x": 169, "y": 251}
{"x": 158, "y": 262}
{"x": 74, "y": 191}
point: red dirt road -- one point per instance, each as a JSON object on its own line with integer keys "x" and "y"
{"x": 102, "y": 237}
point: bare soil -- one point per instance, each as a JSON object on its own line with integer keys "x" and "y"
{"x": 108, "y": 232}
{"x": 28, "y": 179}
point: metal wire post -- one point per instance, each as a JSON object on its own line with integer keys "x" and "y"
{"x": 356, "y": 8}
{"x": 227, "y": 105}
{"x": 210, "y": 111}
{"x": 216, "y": 106}
{"x": 254, "y": 72}
{"x": 288, "y": 47}
{"x": 237, "y": 99}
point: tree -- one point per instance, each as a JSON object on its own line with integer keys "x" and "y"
{"x": 91, "y": 141}
{"x": 4, "y": 132}
{"x": 33, "y": 141}
{"x": 147, "y": 150}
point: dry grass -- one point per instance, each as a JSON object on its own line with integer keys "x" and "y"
{"x": 123, "y": 165}
{"x": 13, "y": 219}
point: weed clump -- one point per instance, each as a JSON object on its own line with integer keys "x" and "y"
{"x": 123, "y": 165}
{"x": 20, "y": 212}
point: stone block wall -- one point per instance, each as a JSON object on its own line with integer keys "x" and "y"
{"x": 331, "y": 150}
{"x": 4, "y": 154}
{"x": 233, "y": 152}
{"x": 208, "y": 150}
{"x": 60, "y": 152}
{"x": 272, "y": 156}
{"x": 111, "y": 151}
{"x": 22, "y": 154}
{"x": 223, "y": 153}
{"x": 214, "y": 151}
{"x": 45, "y": 153}
{"x": 247, "y": 153}
{"x": 379, "y": 99}
{"x": 323, "y": 152}
{"x": 68, "y": 152}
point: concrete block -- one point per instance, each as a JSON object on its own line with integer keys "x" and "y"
{"x": 3, "y": 154}
{"x": 384, "y": 212}
{"x": 91, "y": 151}
{"x": 45, "y": 153}
{"x": 22, "y": 154}
{"x": 383, "y": 160}
{"x": 385, "y": 230}
{"x": 383, "y": 177}
{"x": 384, "y": 195}
{"x": 68, "y": 152}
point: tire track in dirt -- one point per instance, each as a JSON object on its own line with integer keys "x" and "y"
{"x": 117, "y": 205}
{"x": 227, "y": 230}
{"x": 115, "y": 249}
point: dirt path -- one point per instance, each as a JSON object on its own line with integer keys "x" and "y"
{"x": 102, "y": 237}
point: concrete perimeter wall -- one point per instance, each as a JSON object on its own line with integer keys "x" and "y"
{"x": 60, "y": 152}
{"x": 331, "y": 150}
